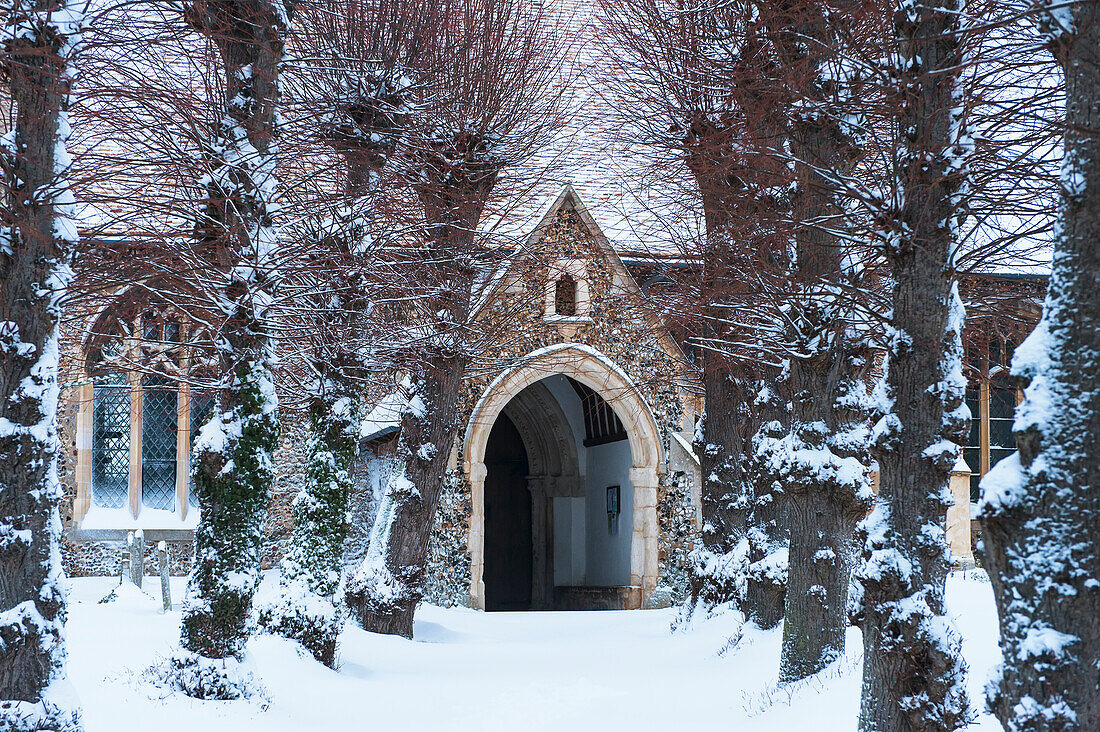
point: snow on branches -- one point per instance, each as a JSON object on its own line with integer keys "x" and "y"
{"x": 37, "y": 240}
{"x": 233, "y": 457}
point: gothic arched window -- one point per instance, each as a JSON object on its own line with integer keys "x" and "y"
{"x": 141, "y": 363}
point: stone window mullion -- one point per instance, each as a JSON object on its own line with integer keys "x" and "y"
{"x": 85, "y": 400}
{"x": 183, "y": 440}
{"x": 983, "y": 416}
{"x": 134, "y": 379}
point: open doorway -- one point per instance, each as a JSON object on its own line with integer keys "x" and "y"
{"x": 508, "y": 569}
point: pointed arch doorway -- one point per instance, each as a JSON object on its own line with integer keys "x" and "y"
{"x": 583, "y": 555}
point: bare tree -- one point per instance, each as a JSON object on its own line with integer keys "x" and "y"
{"x": 486, "y": 102}
{"x": 693, "y": 83}
{"x": 913, "y": 672}
{"x": 234, "y": 452}
{"x": 351, "y": 89}
{"x": 1040, "y": 508}
{"x": 37, "y": 241}
{"x": 822, "y": 461}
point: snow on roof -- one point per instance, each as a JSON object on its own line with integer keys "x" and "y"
{"x": 636, "y": 209}
{"x": 385, "y": 417}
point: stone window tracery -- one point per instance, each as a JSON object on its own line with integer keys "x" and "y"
{"x": 567, "y": 295}
{"x": 138, "y": 408}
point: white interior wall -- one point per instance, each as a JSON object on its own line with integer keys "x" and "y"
{"x": 570, "y": 403}
{"x": 569, "y": 542}
{"x": 570, "y": 522}
{"x": 585, "y": 552}
{"x": 608, "y": 555}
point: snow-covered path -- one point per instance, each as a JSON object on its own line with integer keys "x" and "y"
{"x": 476, "y": 671}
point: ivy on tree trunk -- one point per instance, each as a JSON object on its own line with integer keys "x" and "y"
{"x": 308, "y": 609}
{"x": 234, "y": 465}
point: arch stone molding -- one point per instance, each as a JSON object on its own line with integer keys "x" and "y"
{"x": 596, "y": 371}
{"x": 545, "y": 431}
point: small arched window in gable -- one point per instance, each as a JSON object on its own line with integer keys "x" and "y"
{"x": 565, "y": 296}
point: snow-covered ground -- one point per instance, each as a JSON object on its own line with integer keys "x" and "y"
{"x": 502, "y": 671}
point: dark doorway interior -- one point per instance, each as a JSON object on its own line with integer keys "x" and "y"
{"x": 507, "y": 520}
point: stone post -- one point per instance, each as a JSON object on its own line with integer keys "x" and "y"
{"x": 165, "y": 590}
{"x": 643, "y": 543}
{"x": 136, "y": 540}
{"x": 476, "y": 541}
{"x": 958, "y": 515}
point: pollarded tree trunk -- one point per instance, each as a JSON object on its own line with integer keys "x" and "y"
{"x": 390, "y": 583}
{"x": 1040, "y": 508}
{"x": 828, "y": 493}
{"x": 309, "y": 608}
{"x": 234, "y": 454}
{"x": 38, "y": 238}
{"x": 457, "y": 178}
{"x": 717, "y": 569}
{"x": 733, "y": 174}
{"x": 826, "y": 461}
{"x": 913, "y": 673}
{"x": 913, "y": 677}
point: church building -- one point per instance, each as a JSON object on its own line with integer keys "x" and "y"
{"x": 572, "y": 484}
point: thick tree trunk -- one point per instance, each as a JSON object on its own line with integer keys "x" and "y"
{"x": 827, "y": 458}
{"x": 234, "y": 453}
{"x": 717, "y": 566}
{"x": 913, "y": 673}
{"x": 828, "y": 492}
{"x": 390, "y": 582}
{"x": 387, "y": 588}
{"x": 769, "y": 536}
{"x": 308, "y": 609}
{"x": 36, "y": 244}
{"x": 733, "y": 176}
{"x": 1041, "y": 507}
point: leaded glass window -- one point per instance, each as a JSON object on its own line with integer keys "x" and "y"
{"x": 202, "y": 407}
{"x": 158, "y": 443}
{"x": 167, "y": 349}
{"x": 110, "y": 441}
{"x": 972, "y": 453}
